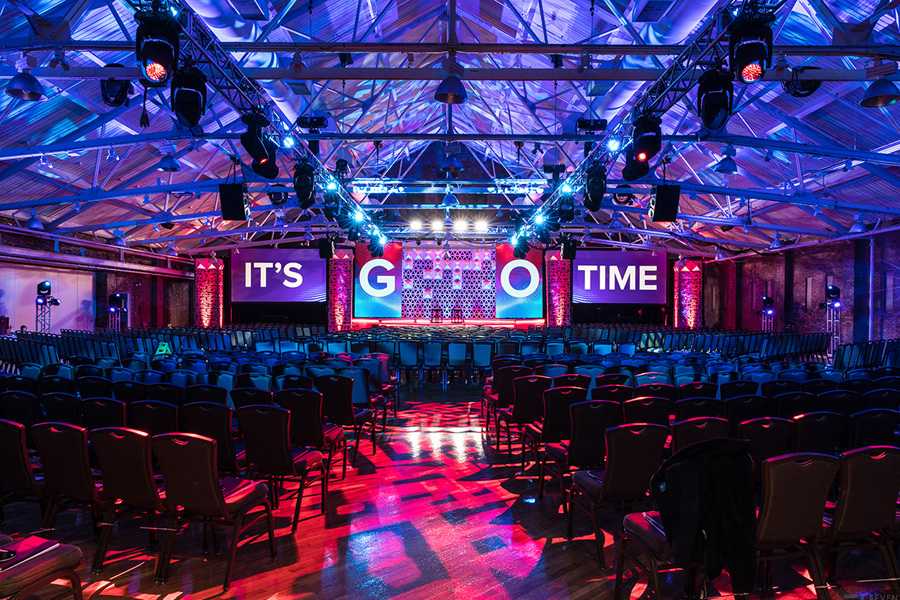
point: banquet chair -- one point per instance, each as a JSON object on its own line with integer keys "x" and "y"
{"x": 821, "y": 431}
{"x": 153, "y": 417}
{"x": 527, "y": 406}
{"x": 212, "y": 420}
{"x": 698, "y": 429}
{"x": 338, "y": 408}
{"x": 308, "y": 426}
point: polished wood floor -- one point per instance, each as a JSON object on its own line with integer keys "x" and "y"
{"x": 433, "y": 514}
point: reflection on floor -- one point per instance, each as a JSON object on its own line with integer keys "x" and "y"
{"x": 433, "y": 514}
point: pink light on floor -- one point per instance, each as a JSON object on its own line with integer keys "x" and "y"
{"x": 209, "y": 290}
{"x": 688, "y": 293}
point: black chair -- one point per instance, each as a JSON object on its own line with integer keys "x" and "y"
{"x": 153, "y": 417}
{"x": 821, "y": 431}
{"x": 102, "y": 412}
{"x": 61, "y": 407}
{"x": 874, "y": 427}
{"x": 656, "y": 390}
{"x": 697, "y": 389}
{"x": 338, "y": 408}
{"x": 818, "y": 386}
{"x": 733, "y": 389}
{"x": 648, "y": 409}
{"x": 250, "y": 396}
{"x": 613, "y": 392}
{"x": 63, "y": 450}
{"x": 741, "y": 408}
{"x": 572, "y": 380}
{"x": 16, "y": 474}
{"x": 555, "y": 424}
{"x": 634, "y": 451}
{"x": 129, "y": 391}
{"x": 165, "y": 392}
{"x": 698, "y": 429}
{"x": 308, "y": 428}
{"x": 688, "y": 408}
{"x": 91, "y": 386}
{"x": 270, "y": 455}
{"x": 841, "y": 401}
{"x": 205, "y": 393}
{"x": 612, "y": 379}
{"x": 17, "y": 383}
{"x": 777, "y": 387}
{"x": 49, "y": 384}
{"x": 880, "y": 398}
{"x": 795, "y": 488}
{"x": 188, "y": 464}
{"x": 527, "y": 406}
{"x": 767, "y": 437}
{"x": 795, "y": 403}
{"x": 87, "y": 370}
{"x": 124, "y": 458}
{"x": 21, "y": 407}
{"x": 212, "y": 420}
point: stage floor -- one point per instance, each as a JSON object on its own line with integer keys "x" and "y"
{"x": 433, "y": 514}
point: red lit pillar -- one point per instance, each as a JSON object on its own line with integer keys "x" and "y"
{"x": 209, "y": 287}
{"x": 688, "y": 283}
{"x": 559, "y": 290}
{"x": 340, "y": 290}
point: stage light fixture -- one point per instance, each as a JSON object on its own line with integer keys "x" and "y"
{"x": 539, "y": 219}
{"x": 880, "y": 93}
{"x": 278, "y": 196}
{"x": 801, "y": 88}
{"x": 115, "y": 92}
{"x": 451, "y": 91}
{"x": 568, "y": 247}
{"x": 437, "y": 225}
{"x": 261, "y": 148}
{"x": 613, "y": 144}
{"x": 727, "y": 166}
{"x": 481, "y": 226}
{"x": 460, "y": 225}
{"x": 331, "y": 186}
{"x": 331, "y": 205}
{"x": 288, "y": 142}
{"x": 832, "y": 292}
{"x": 715, "y": 98}
{"x": 25, "y": 86}
{"x": 520, "y": 247}
{"x": 44, "y": 288}
{"x": 634, "y": 169}
{"x": 415, "y": 225}
{"x": 646, "y": 137}
{"x": 750, "y": 47}
{"x": 156, "y": 47}
{"x": 304, "y": 184}
{"x": 188, "y": 95}
{"x": 565, "y": 210}
{"x": 595, "y": 186}
{"x": 566, "y": 188}
{"x": 359, "y": 216}
{"x": 169, "y": 164}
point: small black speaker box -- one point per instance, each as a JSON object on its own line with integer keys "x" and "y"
{"x": 326, "y": 248}
{"x": 231, "y": 202}
{"x": 664, "y": 207}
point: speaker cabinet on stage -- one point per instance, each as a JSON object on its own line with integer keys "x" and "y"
{"x": 326, "y": 248}
{"x": 664, "y": 204}
{"x": 231, "y": 202}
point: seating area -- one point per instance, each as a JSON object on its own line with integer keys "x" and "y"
{"x": 261, "y": 442}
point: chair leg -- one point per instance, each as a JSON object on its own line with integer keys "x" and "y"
{"x": 890, "y": 562}
{"x": 325, "y": 473}
{"x": 270, "y": 526}
{"x": 374, "y": 428}
{"x": 541, "y": 467}
{"x": 102, "y": 545}
{"x": 815, "y": 565}
{"x": 598, "y": 536}
{"x": 620, "y": 566}
{"x": 232, "y": 551}
{"x": 654, "y": 577}
{"x": 357, "y": 430}
{"x": 570, "y": 522}
{"x": 50, "y": 513}
{"x": 344, "y": 461}
{"x": 75, "y": 582}
{"x": 297, "y": 504}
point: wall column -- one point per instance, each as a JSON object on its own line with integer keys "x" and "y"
{"x": 688, "y": 288}
{"x": 559, "y": 290}
{"x": 340, "y": 290}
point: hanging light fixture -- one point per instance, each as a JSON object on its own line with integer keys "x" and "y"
{"x": 169, "y": 164}
{"x": 451, "y": 90}
{"x": 34, "y": 223}
{"x": 115, "y": 92}
{"x": 727, "y": 166}
{"x": 880, "y": 93}
{"x": 25, "y": 86}
{"x": 750, "y": 46}
{"x": 646, "y": 137}
{"x": 156, "y": 47}
{"x": 715, "y": 98}
{"x": 189, "y": 95}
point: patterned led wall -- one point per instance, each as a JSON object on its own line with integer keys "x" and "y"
{"x": 559, "y": 290}
{"x": 340, "y": 286}
{"x": 448, "y": 279}
{"x": 209, "y": 277}
{"x": 688, "y": 293}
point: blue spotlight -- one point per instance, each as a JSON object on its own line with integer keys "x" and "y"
{"x": 382, "y": 239}
{"x": 566, "y": 188}
{"x": 359, "y": 216}
{"x": 514, "y": 240}
{"x": 613, "y": 144}
{"x": 331, "y": 186}
{"x": 539, "y": 219}
{"x": 288, "y": 141}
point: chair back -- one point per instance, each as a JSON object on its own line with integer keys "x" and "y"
{"x": 125, "y": 459}
{"x": 613, "y": 392}
{"x": 688, "y": 408}
{"x": 290, "y": 381}
{"x": 21, "y": 407}
{"x": 794, "y": 490}
{"x": 482, "y": 353}
{"x": 733, "y": 389}
{"x": 89, "y": 371}
{"x": 528, "y": 397}
{"x": 305, "y": 407}
{"x": 648, "y": 409}
{"x": 63, "y": 449}
{"x": 409, "y": 353}
{"x": 771, "y": 389}
{"x": 551, "y": 369}
{"x": 590, "y": 420}
{"x": 880, "y": 398}
{"x": 842, "y": 401}
{"x": 697, "y": 429}
{"x": 55, "y": 383}
{"x": 250, "y": 396}
{"x": 697, "y": 389}
{"x": 767, "y": 436}
{"x": 503, "y": 382}
{"x": 820, "y": 431}
{"x": 128, "y": 391}
{"x": 869, "y": 483}
{"x": 337, "y": 393}
{"x": 266, "y": 429}
{"x": 874, "y": 427}
{"x": 212, "y": 420}
{"x": 20, "y": 383}
{"x": 572, "y": 380}
{"x": 605, "y": 379}
{"x": 202, "y": 392}
{"x": 165, "y": 392}
{"x": 557, "y": 406}
{"x": 153, "y": 417}
{"x": 795, "y": 403}
{"x": 15, "y": 468}
{"x": 633, "y": 453}
{"x": 61, "y": 407}
{"x": 360, "y": 379}
{"x": 741, "y": 408}
{"x": 102, "y": 412}
{"x": 187, "y": 462}
{"x": 651, "y": 377}
{"x": 91, "y": 386}
{"x": 149, "y": 376}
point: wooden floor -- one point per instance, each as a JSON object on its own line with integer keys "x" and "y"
{"x": 430, "y": 515}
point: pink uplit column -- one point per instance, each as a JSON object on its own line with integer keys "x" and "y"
{"x": 688, "y": 293}
{"x": 209, "y": 288}
{"x": 559, "y": 290}
{"x": 340, "y": 290}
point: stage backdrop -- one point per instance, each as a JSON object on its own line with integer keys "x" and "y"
{"x": 616, "y": 277}
{"x": 448, "y": 279}
{"x": 295, "y": 275}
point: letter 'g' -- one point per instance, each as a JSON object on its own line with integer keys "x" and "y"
{"x": 389, "y": 282}
{"x": 533, "y": 282}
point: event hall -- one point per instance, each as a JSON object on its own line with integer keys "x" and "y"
{"x": 475, "y": 299}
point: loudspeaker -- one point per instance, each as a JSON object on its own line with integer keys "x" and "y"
{"x": 664, "y": 205}
{"x": 231, "y": 202}
{"x": 326, "y": 248}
